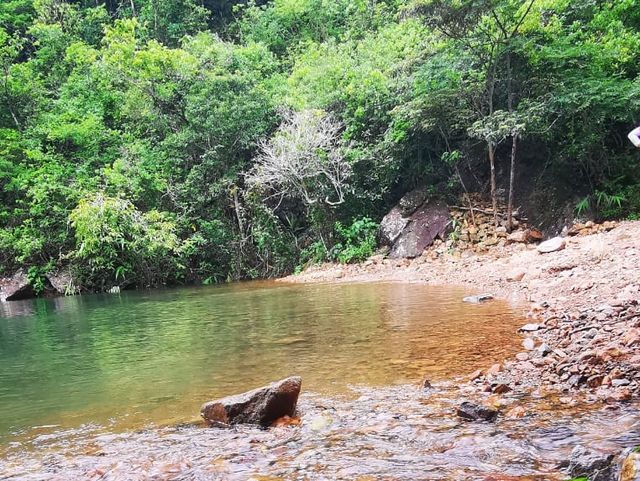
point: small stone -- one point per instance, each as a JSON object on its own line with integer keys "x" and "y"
{"x": 544, "y": 349}
{"x": 478, "y": 299}
{"x": 529, "y": 344}
{"x": 551, "y": 245}
{"x": 475, "y": 412}
{"x": 516, "y": 275}
{"x": 476, "y": 375}
{"x": 530, "y": 327}
{"x": 494, "y": 370}
{"x": 501, "y": 388}
{"x": 620, "y": 382}
{"x": 522, "y": 356}
{"x": 426, "y": 384}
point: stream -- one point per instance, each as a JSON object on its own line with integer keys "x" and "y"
{"x": 109, "y": 387}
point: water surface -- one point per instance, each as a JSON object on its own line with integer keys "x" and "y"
{"x": 127, "y": 360}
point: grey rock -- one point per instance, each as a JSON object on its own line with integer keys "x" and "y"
{"x": 620, "y": 382}
{"x": 411, "y": 201}
{"x": 594, "y": 465}
{"x": 530, "y": 327}
{"x": 392, "y": 226}
{"x": 474, "y": 412}
{"x": 16, "y": 287}
{"x": 260, "y": 406}
{"x": 431, "y": 220}
{"x": 551, "y": 245}
{"x": 477, "y": 299}
{"x": 62, "y": 282}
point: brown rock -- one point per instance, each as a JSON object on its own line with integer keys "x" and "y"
{"x": 516, "y": 275}
{"x": 516, "y": 412}
{"x": 260, "y": 406}
{"x": 495, "y": 369}
{"x": 500, "y": 389}
{"x": 519, "y": 236}
{"x": 620, "y": 395}
{"x": 631, "y": 337}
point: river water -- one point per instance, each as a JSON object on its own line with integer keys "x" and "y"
{"x": 109, "y": 386}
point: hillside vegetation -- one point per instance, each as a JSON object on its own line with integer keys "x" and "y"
{"x": 146, "y": 142}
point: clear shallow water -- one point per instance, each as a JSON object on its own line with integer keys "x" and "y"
{"x": 124, "y": 361}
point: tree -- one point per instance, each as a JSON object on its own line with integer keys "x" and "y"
{"x": 303, "y": 160}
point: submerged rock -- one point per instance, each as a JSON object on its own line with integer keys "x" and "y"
{"x": 260, "y": 406}
{"x": 16, "y": 287}
{"x": 475, "y": 412}
{"x": 594, "y": 465}
{"x": 477, "y": 299}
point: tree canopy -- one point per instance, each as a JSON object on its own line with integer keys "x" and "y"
{"x": 145, "y": 142}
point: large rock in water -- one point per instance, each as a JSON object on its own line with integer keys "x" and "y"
{"x": 591, "y": 464}
{"x": 261, "y": 406}
{"x": 16, "y": 287}
{"x": 413, "y": 224}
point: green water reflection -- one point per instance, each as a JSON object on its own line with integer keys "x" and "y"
{"x": 140, "y": 357}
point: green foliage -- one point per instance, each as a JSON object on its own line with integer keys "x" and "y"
{"x": 120, "y": 245}
{"x": 356, "y": 242}
{"x": 132, "y": 133}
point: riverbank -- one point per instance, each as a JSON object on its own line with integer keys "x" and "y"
{"x": 581, "y": 303}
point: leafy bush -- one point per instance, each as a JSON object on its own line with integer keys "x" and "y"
{"x": 118, "y": 245}
{"x": 358, "y": 241}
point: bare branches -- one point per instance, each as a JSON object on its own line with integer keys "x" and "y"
{"x": 303, "y": 160}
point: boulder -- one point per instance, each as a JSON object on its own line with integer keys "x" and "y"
{"x": 260, "y": 406}
{"x": 551, "y": 245}
{"x": 392, "y": 226}
{"x": 474, "y": 412}
{"x": 429, "y": 221}
{"x": 16, "y": 287}
{"x": 594, "y": 465}
{"x": 411, "y": 202}
{"x": 62, "y": 282}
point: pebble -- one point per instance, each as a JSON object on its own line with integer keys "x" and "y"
{"x": 529, "y": 344}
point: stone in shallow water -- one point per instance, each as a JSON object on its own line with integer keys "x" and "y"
{"x": 477, "y": 299}
{"x": 592, "y": 464}
{"x": 475, "y": 412}
{"x": 261, "y": 406}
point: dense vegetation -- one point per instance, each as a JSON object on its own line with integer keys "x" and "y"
{"x": 145, "y": 142}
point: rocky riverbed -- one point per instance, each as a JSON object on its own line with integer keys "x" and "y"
{"x": 395, "y": 433}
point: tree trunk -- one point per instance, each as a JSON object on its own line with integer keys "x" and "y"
{"x": 512, "y": 175}
{"x": 494, "y": 200}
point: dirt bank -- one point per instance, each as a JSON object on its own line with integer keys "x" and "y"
{"x": 582, "y": 303}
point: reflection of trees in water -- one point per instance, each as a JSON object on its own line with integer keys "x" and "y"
{"x": 159, "y": 354}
